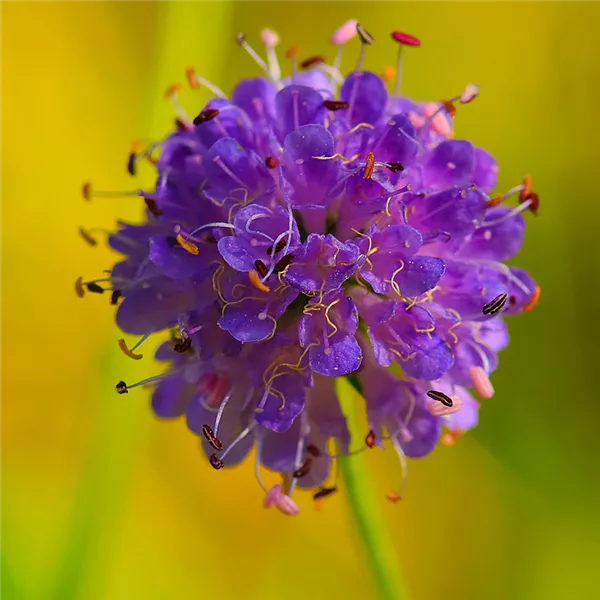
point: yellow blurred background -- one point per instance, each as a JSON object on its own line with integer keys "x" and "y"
{"x": 102, "y": 501}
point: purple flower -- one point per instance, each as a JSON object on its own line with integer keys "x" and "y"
{"x": 309, "y": 228}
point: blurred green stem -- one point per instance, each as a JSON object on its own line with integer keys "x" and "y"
{"x": 365, "y": 507}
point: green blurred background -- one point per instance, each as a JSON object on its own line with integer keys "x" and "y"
{"x": 101, "y": 501}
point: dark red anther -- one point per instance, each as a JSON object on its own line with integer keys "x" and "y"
{"x": 394, "y": 167}
{"x": 304, "y": 469}
{"x": 209, "y": 434}
{"x": 180, "y": 125}
{"x": 86, "y": 190}
{"x": 324, "y": 492}
{"x": 131, "y": 163}
{"x": 283, "y": 263}
{"x": 114, "y": 297}
{"x": 405, "y": 39}
{"x": 278, "y": 247}
{"x": 206, "y": 115}
{"x": 336, "y": 104}
{"x": 261, "y": 268}
{"x": 449, "y": 107}
{"x": 535, "y": 202}
{"x": 215, "y": 463}
{"x": 94, "y": 288}
{"x": 369, "y": 166}
{"x": 121, "y": 388}
{"x": 370, "y": 439}
{"x": 153, "y": 207}
{"x": 183, "y": 346}
{"x": 271, "y": 162}
{"x": 313, "y": 450}
{"x": 311, "y": 61}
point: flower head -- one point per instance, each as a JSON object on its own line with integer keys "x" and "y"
{"x": 311, "y": 227}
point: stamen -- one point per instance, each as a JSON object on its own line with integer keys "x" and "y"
{"x": 324, "y": 492}
{"x": 369, "y": 166}
{"x": 313, "y": 450}
{"x": 370, "y": 439}
{"x": 470, "y": 92}
{"x": 403, "y": 39}
{"x": 534, "y": 300}
{"x": 270, "y": 39}
{"x": 497, "y": 199}
{"x": 221, "y": 410}
{"x": 79, "y": 290}
{"x": 441, "y": 410}
{"x": 388, "y": 73}
{"x": 241, "y": 40}
{"x": 311, "y": 61}
{"x": 114, "y": 298}
{"x": 186, "y": 245}
{"x": 257, "y": 283}
{"x": 271, "y": 162}
{"x": 89, "y": 193}
{"x": 395, "y": 496}
{"x": 153, "y": 207}
{"x": 283, "y": 262}
{"x": 94, "y": 288}
{"x": 279, "y": 246}
{"x": 183, "y": 346}
{"x": 440, "y": 397}
{"x": 196, "y": 80}
{"x": 206, "y": 115}
{"x": 271, "y": 495}
{"x": 261, "y": 267}
{"x": 366, "y": 40}
{"x": 494, "y": 306}
{"x": 293, "y": 54}
{"x": 449, "y": 107}
{"x": 286, "y": 505}
{"x": 481, "y": 382}
{"x": 172, "y": 95}
{"x": 341, "y": 36}
{"x": 121, "y": 388}
{"x": 128, "y": 352}
{"x": 525, "y": 189}
{"x": 85, "y": 234}
{"x": 394, "y": 167}
{"x": 304, "y": 469}
{"x": 131, "y": 163}
{"x": 336, "y": 104}
{"x": 534, "y": 202}
{"x": 215, "y": 463}
{"x": 210, "y": 436}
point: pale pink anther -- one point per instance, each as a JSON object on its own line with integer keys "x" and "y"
{"x": 272, "y": 495}
{"x": 405, "y": 39}
{"x": 286, "y": 505}
{"x": 215, "y": 386}
{"x": 269, "y": 37}
{"x": 439, "y": 123}
{"x": 469, "y": 93}
{"x": 417, "y": 120}
{"x": 344, "y": 33}
{"x": 437, "y": 409}
{"x": 481, "y": 382}
{"x": 406, "y": 435}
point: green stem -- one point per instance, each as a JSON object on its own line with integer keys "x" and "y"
{"x": 365, "y": 507}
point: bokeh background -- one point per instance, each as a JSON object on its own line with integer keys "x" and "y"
{"x": 101, "y": 501}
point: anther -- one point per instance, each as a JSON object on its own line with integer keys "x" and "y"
{"x": 438, "y": 409}
{"x": 183, "y": 346}
{"x": 86, "y": 190}
{"x": 257, "y": 283}
{"x": 172, "y": 90}
{"x": 131, "y": 163}
{"x": 497, "y": 199}
{"x": 215, "y": 463}
{"x": 210, "y": 436}
{"x": 241, "y": 40}
{"x": 440, "y": 397}
{"x": 121, "y": 388}
{"x": 127, "y": 351}
{"x": 206, "y": 115}
{"x": 292, "y": 52}
{"x": 88, "y": 193}
{"x": 114, "y": 297}
{"x": 79, "y": 289}
{"x": 366, "y": 40}
{"x": 370, "y": 439}
{"x": 286, "y": 505}
{"x": 271, "y": 495}
{"x": 369, "y": 166}
{"x": 388, "y": 73}
{"x": 495, "y": 305}
{"x": 283, "y": 262}
{"x": 190, "y": 73}
{"x": 343, "y": 34}
{"x": 153, "y": 207}
{"x": 187, "y": 245}
{"x": 481, "y": 382}
{"x": 180, "y": 125}
{"x": 336, "y": 104}
{"x": 534, "y": 299}
{"x": 260, "y": 266}
{"x": 85, "y": 234}
{"x": 278, "y": 247}
{"x": 470, "y": 92}
{"x": 394, "y": 167}
{"x": 304, "y": 469}
{"x": 313, "y": 450}
{"x": 94, "y": 288}
{"x": 311, "y": 61}
{"x": 449, "y": 107}
{"x": 393, "y": 497}
{"x": 271, "y": 162}
{"x": 534, "y": 202}
{"x": 403, "y": 39}
{"x": 324, "y": 492}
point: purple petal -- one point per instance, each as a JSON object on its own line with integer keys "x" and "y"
{"x": 231, "y": 122}
{"x": 450, "y": 163}
{"x": 485, "y": 173}
{"x": 277, "y": 415}
{"x": 296, "y": 106}
{"x": 420, "y": 274}
{"x": 397, "y": 142}
{"x": 339, "y": 358}
{"x": 367, "y": 96}
{"x": 170, "y": 397}
{"x": 257, "y": 98}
